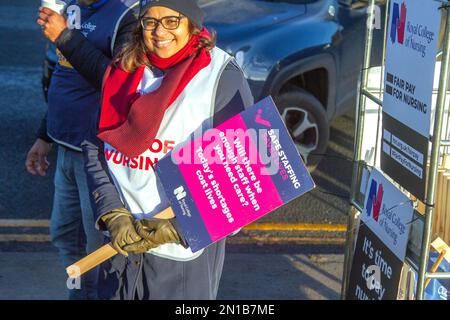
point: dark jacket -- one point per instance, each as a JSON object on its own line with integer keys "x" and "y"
{"x": 74, "y": 93}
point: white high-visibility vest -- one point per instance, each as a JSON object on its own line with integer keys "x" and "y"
{"x": 134, "y": 178}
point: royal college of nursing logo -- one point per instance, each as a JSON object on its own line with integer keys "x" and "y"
{"x": 374, "y": 200}
{"x": 179, "y": 193}
{"x": 398, "y": 23}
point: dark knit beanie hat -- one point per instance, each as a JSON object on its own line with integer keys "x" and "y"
{"x": 188, "y": 8}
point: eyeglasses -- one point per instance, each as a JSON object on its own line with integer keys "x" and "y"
{"x": 169, "y": 22}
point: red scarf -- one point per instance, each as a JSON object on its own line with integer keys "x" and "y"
{"x": 129, "y": 122}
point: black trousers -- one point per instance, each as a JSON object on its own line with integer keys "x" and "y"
{"x": 150, "y": 277}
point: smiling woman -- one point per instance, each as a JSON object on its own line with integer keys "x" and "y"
{"x": 162, "y": 32}
{"x": 166, "y": 82}
{"x": 166, "y": 35}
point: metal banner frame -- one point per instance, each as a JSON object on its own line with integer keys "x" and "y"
{"x": 359, "y": 164}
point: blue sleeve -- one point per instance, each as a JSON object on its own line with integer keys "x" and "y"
{"x": 84, "y": 56}
{"x": 103, "y": 194}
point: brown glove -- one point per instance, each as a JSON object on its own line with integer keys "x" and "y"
{"x": 119, "y": 223}
{"x": 154, "y": 232}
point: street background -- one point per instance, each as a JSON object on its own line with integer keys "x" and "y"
{"x": 301, "y": 262}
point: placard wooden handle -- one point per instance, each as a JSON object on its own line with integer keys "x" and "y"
{"x": 91, "y": 261}
{"x": 104, "y": 253}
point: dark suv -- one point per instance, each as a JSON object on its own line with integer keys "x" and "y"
{"x": 306, "y": 54}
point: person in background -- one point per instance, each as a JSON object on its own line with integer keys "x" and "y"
{"x": 73, "y": 101}
{"x": 168, "y": 80}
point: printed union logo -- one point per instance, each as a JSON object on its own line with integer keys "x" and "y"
{"x": 398, "y": 23}
{"x": 179, "y": 193}
{"x": 374, "y": 200}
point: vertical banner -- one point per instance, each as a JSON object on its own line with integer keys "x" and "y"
{"x": 382, "y": 241}
{"x": 233, "y": 174}
{"x": 410, "y": 63}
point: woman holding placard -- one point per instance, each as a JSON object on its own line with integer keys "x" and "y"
{"x": 167, "y": 82}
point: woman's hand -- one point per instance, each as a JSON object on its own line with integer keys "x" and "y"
{"x": 154, "y": 232}
{"x": 52, "y": 23}
{"x": 119, "y": 223}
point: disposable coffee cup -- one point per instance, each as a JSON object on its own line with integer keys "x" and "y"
{"x": 56, "y": 5}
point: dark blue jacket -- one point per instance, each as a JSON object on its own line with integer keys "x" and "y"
{"x": 74, "y": 95}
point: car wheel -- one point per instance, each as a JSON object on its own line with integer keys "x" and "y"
{"x": 306, "y": 121}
